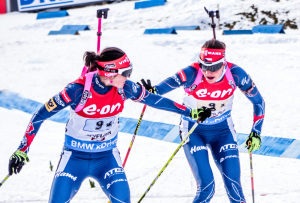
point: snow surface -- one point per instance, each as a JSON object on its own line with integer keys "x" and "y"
{"x": 37, "y": 66}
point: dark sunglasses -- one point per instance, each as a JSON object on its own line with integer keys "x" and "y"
{"x": 211, "y": 66}
{"x": 126, "y": 72}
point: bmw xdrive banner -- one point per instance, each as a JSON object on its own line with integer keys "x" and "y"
{"x": 30, "y": 5}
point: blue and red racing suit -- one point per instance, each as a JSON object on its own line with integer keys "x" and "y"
{"x": 90, "y": 148}
{"x": 216, "y": 132}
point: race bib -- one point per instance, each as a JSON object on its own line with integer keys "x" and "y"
{"x": 98, "y": 125}
{"x": 218, "y": 107}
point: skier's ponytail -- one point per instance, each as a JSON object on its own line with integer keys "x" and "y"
{"x": 108, "y": 54}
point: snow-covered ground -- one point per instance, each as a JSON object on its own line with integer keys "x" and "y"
{"x": 37, "y": 66}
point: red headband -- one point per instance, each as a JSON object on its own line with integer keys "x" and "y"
{"x": 120, "y": 63}
{"x": 211, "y": 55}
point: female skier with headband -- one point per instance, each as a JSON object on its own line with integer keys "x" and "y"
{"x": 211, "y": 82}
{"x": 90, "y": 148}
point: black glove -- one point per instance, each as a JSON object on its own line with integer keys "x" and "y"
{"x": 17, "y": 161}
{"x": 201, "y": 113}
{"x": 148, "y": 86}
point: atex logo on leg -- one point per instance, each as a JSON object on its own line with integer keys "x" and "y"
{"x": 228, "y": 147}
{"x": 113, "y": 172}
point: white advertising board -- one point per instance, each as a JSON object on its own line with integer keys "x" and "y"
{"x": 30, "y": 5}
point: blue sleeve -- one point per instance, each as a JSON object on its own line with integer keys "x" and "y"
{"x": 70, "y": 96}
{"x": 139, "y": 94}
{"x": 247, "y": 86}
{"x": 185, "y": 77}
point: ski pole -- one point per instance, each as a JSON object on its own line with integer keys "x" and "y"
{"x": 3, "y": 181}
{"x": 252, "y": 181}
{"x": 133, "y": 138}
{"x": 165, "y": 166}
{"x": 100, "y": 13}
{"x": 213, "y": 14}
{"x": 135, "y": 132}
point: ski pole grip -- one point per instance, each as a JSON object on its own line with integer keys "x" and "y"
{"x": 210, "y": 13}
{"x": 102, "y": 12}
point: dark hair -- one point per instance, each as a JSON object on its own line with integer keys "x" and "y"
{"x": 108, "y": 54}
{"x": 214, "y": 44}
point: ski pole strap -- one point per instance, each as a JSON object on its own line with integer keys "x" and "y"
{"x": 85, "y": 94}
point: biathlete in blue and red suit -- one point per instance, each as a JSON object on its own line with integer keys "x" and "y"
{"x": 90, "y": 148}
{"x": 211, "y": 83}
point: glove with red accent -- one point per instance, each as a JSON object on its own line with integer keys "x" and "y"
{"x": 148, "y": 86}
{"x": 17, "y": 161}
{"x": 201, "y": 113}
{"x": 253, "y": 142}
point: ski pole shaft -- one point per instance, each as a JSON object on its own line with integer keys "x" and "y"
{"x": 134, "y": 135}
{"x": 99, "y": 33}
{"x": 5, "y": 179}
{"x": 252, "y": 181}
{"x": 170, "y": 159}
{"x": 213, "y": 27}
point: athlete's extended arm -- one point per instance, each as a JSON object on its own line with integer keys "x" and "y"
{"x": 247, "y": 86}
{"x": 69, "y": 96}
{"x": 138, "y": 93}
